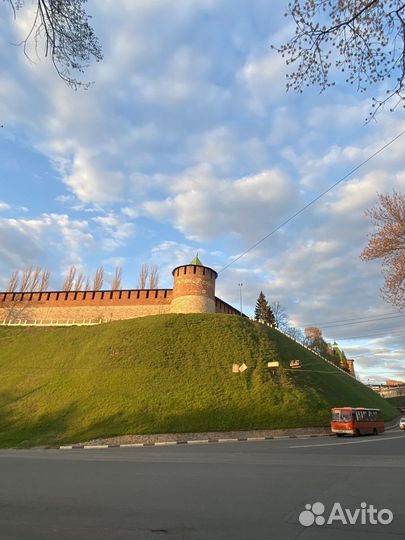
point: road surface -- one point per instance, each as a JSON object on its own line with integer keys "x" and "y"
{"x": 240, "y": 490}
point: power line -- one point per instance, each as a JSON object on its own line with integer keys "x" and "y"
{"x": 361, "y": 322}
{"x": 311, "y": 202}
{"x": 383, "y": 316}
{"x": 378, "y": 335}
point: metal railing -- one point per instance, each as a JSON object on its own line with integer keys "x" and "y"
{"x": 313, "y": 352}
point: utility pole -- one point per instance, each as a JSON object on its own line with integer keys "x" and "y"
{"x": 240, "y": 285}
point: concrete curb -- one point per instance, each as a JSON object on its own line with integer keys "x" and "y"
{"x": 194, "y": 441}
{"x": 219, "y": 440}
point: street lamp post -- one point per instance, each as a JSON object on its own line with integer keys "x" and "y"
{"x": 240, "y": 285}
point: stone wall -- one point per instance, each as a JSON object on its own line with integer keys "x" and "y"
{"x": 223, "y": 307}
{"x": 193, "y": 292}
{"x": 79, "y": 306}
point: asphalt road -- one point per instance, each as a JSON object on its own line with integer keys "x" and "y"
{"x": 246, "y": 490}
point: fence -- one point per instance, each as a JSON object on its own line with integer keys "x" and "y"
{"x": 314, "y": 352}
{"x": 69, "y": 322}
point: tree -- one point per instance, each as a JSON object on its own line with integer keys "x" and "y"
{"x": 280, "y": 315}
{"x": 388, "y": 244}
{"x": 26, "y": 278}
{"x": 261, "y": 306}
{"x": 263, "y": 312}
{"x": 35, "y": 279}
{"x": 69, "y": 282}
{"x": 314, "y": 340}
{"x": 79, "y": 282}
{"x": 13, "y": 282}
{"x": 98, "y": 279}
{"x": 32, "y": 280}
{"x": 143, "y": 276}
{"x": 44, "y": 282}
{"x": 116, "y": 283}
{"x": 363, "y": 39}
{"x": 295, "y": 333}
{"x": 154, "y": 277}
{"x": 61, "y": 28}
{"x": 269, "y": 317}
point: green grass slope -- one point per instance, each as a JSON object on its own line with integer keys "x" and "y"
{"x": 398, "y": 402}
{"x": 159, "y": 374}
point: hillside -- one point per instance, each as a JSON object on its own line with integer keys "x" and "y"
{"x": 398, "y": 402}
{"x": 169, "y": 373}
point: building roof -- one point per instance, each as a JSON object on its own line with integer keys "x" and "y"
{"x": 196, "y": 261}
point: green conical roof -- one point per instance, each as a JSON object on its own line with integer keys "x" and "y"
{"x": 196, "y": 261}
{"x": 338, "y": 351}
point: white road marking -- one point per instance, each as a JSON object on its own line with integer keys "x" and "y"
{"x": 348, "y": 442}
{"x": 165, "y": 443}
{"x": 198, "y": 441}
{"x": 131, "y": 445}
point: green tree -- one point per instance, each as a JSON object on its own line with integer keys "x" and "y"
{"x": 270, "y": 318}
{"x": 263, "y": 311}
{"x": 261, "y": 307}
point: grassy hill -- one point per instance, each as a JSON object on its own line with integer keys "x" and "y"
{"x": 397, "y": 402}
{"x": 159, "y": 374}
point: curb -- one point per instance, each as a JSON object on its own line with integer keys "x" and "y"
{"x": 193, "y": 441}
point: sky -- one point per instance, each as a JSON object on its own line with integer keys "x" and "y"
{"x": 188, "y": 142}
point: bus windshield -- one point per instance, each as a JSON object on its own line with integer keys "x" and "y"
{"x": 341, "y": 416}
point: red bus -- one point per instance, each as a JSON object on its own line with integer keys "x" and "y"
{"x": 356, "y": 421}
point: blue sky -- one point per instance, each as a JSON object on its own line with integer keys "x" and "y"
{"x": 188, "y": 142}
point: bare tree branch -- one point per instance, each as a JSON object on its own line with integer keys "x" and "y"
{"x": 98, "y": 279}
{"x": 362, "y": 39}
{"x": 143, "y": 276}
{"x": 62, "y": 29}
{"x": 70, "y": 279}
{"x": 154, "y": 277}
{"x": 44, "y": 282}
{"x": 13, "y": 282}
{"x": 116, "y": 283}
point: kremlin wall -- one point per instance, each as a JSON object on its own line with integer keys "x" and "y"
{"x": 193, "y": 292}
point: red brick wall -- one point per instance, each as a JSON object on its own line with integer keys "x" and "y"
{"x": 88, "y": 298}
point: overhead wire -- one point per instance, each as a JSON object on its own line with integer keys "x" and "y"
{"x": 359, "y": 320}
{"x": 313, "y": 201}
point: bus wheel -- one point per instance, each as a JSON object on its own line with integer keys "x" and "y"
{"x": 375, "y": 431}
{"x": 357, "y": 433}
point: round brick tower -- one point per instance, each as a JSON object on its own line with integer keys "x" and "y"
{"x": 193, "y": 288}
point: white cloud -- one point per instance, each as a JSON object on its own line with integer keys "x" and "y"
{"x": 116, "y": 231}
{"x": 264, "y": 77}
{"x": 245, "y": 207}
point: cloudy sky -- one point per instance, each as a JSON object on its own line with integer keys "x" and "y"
{"x": 188, "y": 142}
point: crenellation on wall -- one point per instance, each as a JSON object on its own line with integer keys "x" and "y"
{"x": 193, "y": 292}
{"x": 224, "y": 307}
{"x": 59, "y": 298}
